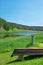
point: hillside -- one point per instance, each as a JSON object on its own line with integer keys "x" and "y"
{"x": 7, "y": 26}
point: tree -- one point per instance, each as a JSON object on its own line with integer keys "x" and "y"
{"x": 6, "y": 26}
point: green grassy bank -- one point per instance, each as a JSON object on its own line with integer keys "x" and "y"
{"x": 7, "y": 45}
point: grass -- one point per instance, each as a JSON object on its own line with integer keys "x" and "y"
{"x": 7, "y": 45}
{"x": 10, "y": 43}
{"x": 5, "y": 59}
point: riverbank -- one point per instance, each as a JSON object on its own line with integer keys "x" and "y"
{"x": 11, "y": 31}
{"x": 16, "y": 30}
{"x": 8, "y": 44}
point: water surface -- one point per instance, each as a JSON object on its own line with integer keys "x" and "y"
{"x": 25, "y": 33}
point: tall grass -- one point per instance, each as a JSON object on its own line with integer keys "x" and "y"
{"x": 10, "y": 43}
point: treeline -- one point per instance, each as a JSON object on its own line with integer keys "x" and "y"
{"x": 7, "y": 26}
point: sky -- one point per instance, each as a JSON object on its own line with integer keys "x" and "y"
{"x": 26, "y": 12}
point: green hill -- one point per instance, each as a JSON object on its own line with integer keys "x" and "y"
{"x": 4, "y": 25}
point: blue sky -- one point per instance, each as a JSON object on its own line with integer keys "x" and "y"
{"x": 26, "y": 12}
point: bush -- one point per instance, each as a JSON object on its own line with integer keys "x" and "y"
{"x": 6, "y": 27}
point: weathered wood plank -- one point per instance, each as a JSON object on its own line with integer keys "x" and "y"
{"x": 28, "y": 51}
